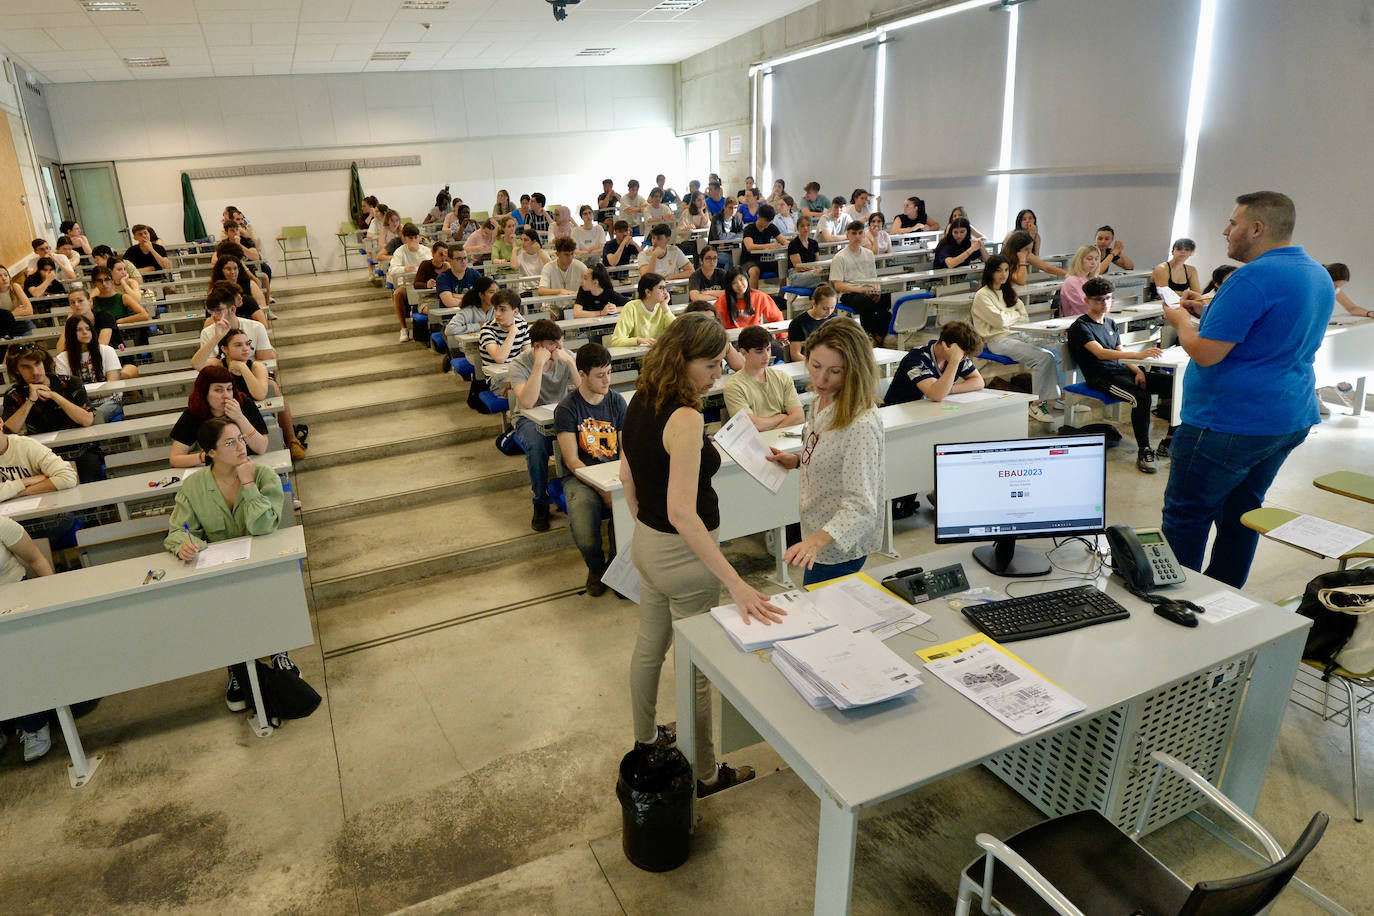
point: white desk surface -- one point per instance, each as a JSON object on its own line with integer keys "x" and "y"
{"x": 180, "y": 378}
{"x": 139, "y": 426}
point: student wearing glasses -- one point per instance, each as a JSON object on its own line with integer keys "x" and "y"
{"x": 666, "y": 468}
{"x": 707, "y": 282}
{"x": 1096, "y": 347}
{"x": 842, "y": 460}
{"x": 456, "y": 279}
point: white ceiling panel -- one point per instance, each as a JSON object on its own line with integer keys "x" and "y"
{"x": 271, "y": 37}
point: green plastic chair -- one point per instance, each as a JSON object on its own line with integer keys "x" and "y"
{"x": 290, "y": 252}
{"x": 347, "y": 236}
{"x": 481, "y": 216}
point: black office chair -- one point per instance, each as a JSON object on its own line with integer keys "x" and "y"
{"x": 1082, "y": 863}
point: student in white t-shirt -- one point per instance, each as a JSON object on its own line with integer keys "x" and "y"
{"x": 221, "y": 318}
{"x": 563, "y": 275}
{"x": 632, "y": 204}
{"x": 590, "y": 237}
{"x": 862, "y": 205}
{"x": 97, "y": 363}
{"x": 662, "y": 257}
{"x": 835, "y": 223}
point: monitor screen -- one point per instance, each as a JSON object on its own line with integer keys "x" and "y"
{"x": 1017, "y": 488}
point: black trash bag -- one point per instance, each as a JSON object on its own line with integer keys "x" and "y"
{"x": 655, "y": 789}
{"x": 285, "y": 694}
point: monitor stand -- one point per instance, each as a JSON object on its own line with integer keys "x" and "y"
{"x": 1005, "y": 557}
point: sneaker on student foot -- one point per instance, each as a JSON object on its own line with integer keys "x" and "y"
{"x": 36, "y": 744}
{"x": 282, "y": 662}
{"x": 595, "y": 587}
{"x": 234, "y": 696}
{"x": 1040, "y": 413}
{"x": 726, "y": 777}
{"x": 1162, "y": 450}
{"x": 405, "y": 335}
{"x": 1145, "y": 461}
{"x": 540, "y": 521}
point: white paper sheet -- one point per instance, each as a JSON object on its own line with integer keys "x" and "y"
{"x": 44, "y": 438}
{"x": 621, "y": 574}
{"x": 12, "y": 506}
{"x": 1169, "y": 297}
{"x": 1170, "y": 355}
{"x": 742, "y": 442}
{"x": 1320, "y": 536}
{"x": 851, "y": 602}
{"x": 1223, "y": 604}
{"x": 853, "y": 669}
{"x": 802, "y": 619}
{"x": 972, "y": 397}
{"x": 1016, "y": 696}
{"x": 221, "y": 552}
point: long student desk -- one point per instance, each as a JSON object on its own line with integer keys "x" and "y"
{"x": 94, "y": 632}
{"x": 910, "y": 431}
{"x": 1213, "y": 696}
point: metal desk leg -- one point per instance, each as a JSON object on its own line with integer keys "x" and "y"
{"x": 780, "y": 572}
{"x": 889, "y": 546}
{"x": 1257, "y": 729}
{"x": 1358, "y": 407}
{"x": 687, "y": 737}
{"x": 82, "y": 768}
{"x": 834, "y": 856}
{"x": 257, "y": 723}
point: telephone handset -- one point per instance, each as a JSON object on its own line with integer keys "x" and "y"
{"x": 1142, "y": 557}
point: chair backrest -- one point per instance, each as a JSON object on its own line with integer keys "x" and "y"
{"x": 1249, "y": 894}
{"x": 293, "y": 232}
{"x": 347, "y": 226}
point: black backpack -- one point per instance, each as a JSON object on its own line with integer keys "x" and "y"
{"x": 285, "y": 694}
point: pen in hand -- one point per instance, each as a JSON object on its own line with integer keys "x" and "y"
{"x": 188, "y": 549}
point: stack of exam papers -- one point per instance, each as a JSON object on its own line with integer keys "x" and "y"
{"x": 839, "y": 668}
{"x": 853, "y": 603}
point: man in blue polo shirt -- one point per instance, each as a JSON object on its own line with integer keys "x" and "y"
{"x": 1250, "y": 393}
{"x": 456, "y": 280}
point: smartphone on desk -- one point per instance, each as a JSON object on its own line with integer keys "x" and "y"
{"x": 1143, "y": 558}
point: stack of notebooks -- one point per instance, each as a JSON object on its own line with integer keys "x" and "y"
{"x": 828, "y": 645}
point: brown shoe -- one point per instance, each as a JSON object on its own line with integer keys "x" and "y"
{"x": 297, "y": 451}
{"x": 595, "y": 587}
{"x": 726, "y": 777}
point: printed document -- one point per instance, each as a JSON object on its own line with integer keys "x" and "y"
{"x": 859, "y": 603}
{"x": 802, "y": 619}
{"x": 851, "y": 669}
{"x": 741, "y": 441}
{"x": 621, "y": 575}
{"x": 1014, "y": 694}
{"x": 1320, "y": 536}
{"x": 1223, "y": 604}
{"x": 221, "y": 552}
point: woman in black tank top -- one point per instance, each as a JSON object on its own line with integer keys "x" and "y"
{"x": 666, "y": 466}
{"x": 1175, "y": 273}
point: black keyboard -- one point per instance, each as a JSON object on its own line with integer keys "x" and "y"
{"x": 1046, "y": 613}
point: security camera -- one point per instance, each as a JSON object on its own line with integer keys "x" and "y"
{"x": 560, "y": 8}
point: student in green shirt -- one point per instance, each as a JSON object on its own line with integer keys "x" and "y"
{"x": 644, "y": 318}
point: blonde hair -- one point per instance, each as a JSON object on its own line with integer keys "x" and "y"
{"x": 857, "y": 390}
{"x": 663, "y": 379}
{"x": 1076, "y": 265}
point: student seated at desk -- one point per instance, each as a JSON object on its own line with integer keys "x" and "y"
{"x": 14, "y": 306}
{"x": 106, "y": 330}
{"x": 71, "y": 229}
{"x": 1340, "y": 276}
{"x": 740, "y": 306}
{"x": 18, "y": 554}
{"x": 1167, "y": 274}
{"x": 913, "y": 218}
{"x": 707, "y": 282}
{"x": 587, "y": 423}
{"x": 842, "y": 458}
{"x": 28, "y": 468}
{"x": 229, "y": 269}
{"x": 759, "y": 235}
{"x": 656, "y": 212}
{"x": 1081, "y": 268}
{"x": 802, "y": 254}
{"x": 562, "y": 225}
{"x": 41, "y": 401}
{"x": 542, "y": 374}
{"x": 475, "y": 309}
{"x": 213, "y": 395}
{"x": 785, "y": 215}
{"x": 854, "y": 273}
{"x": 529, "y": 259}
{"x": 456, "y": 279}
{"x": 958, "y": 245}
{"x": 767, "y": 395}
{"x": 95, "y": 363}
{"x": 823, "y": 302}
{"x": 41, "y": 249}
{"x": 120, "y": 301}
{"x": 596, "y": 295}
{"x": 589, "y": 237}
{"x": 252, "y": 379}
{"x": 1016, "y": 249}
{"x": 962, "y": 213}
{"x": 1096, "y": 347}
{"x": 427, "y": 274}
{"x": 734, "y": 360}
{"x": 507, "y": 335}
{"x": 862, "y": 205}
{"x": 662, "y": 257}
{"x": 940, "y": 368}
{"x": 995, "y": 309}
{"x": 1027, "y": 223}
{"x": 1111, "y": 253}
{"x": 221, "y": 317}
{"x": 813, "y": 201}
{"x": 726, "y": 226}
{"x": 406, "y": 260}
{"x": 503, "y": 249}
{"x": 834, "y": 223}
{"x": 876, "y": 237}
{"x": 632, "y": 204}
{"x": 233, "y": 498}
{"x": 621, "y": 250}
{"x": 145, "y": 253}
{"x": 563, "y": 275}
{"x": 44, "y": 280}
{"x": 749, "y": 205}
{"x": 645, "y": 317}
{"x": 479, "y": 244}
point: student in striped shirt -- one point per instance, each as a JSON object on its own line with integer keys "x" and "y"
{"x": 506, "y": 335}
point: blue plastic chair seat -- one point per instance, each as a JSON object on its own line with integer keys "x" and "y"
{"x": 492, "y": 402}
{"x": 803, "y": 291}
{"x": 996, "y": 357}
{"x": 464, "y": 368}
{"x": 1088, "y": 391}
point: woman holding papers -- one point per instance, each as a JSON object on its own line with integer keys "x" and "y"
{"x": 666, "y": 466}
{"x": 842, "y": 457}
{"x": 232, "y": 498}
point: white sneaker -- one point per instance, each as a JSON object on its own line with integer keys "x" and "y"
{"x": 1039, "y": 413}
{"x": 405, "y": 335}
{"x": 36, "y": 744}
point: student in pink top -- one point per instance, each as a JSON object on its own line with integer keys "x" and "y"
{"x": 1083, "y": 266}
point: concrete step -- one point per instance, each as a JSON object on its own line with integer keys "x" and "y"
{"x": 360, "y": 346}
{"x": 379, "y": 396}
{"x": 387, "y": 484}
{"x": 413, "y": 433}
{"x": 284, "y": 288}
{"x": 349, "y": 558}
{"x": 400, "y": 363}
{"x": 287, "y": 336}
{"x": 340, "y": 310}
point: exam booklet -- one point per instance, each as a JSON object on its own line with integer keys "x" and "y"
{"x": 1001, "y": 684}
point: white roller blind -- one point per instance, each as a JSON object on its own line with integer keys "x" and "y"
{"x": 822, "y": 126}
{"x": 1103, "y": 84}
{"x": 943, "y": 106}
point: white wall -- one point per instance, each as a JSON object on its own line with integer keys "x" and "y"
{"x": 559, "y": 132}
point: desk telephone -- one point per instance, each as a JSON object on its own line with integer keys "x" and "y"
{"x": 1142, "y": 557}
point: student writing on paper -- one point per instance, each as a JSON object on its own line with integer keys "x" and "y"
{"x": 842, "y": 457}
{"x": 666, "y": 466}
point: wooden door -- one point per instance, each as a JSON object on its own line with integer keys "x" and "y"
{"x": 16, "y": 220}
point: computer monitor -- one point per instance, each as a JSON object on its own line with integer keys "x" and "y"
{"x": 1003, "y": 490}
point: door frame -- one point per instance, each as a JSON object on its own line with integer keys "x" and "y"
{"x": 69, "y": 199}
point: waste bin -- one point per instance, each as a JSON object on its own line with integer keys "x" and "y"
{"x": 655, "y": 790}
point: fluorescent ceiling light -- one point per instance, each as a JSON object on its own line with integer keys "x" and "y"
{"x": 425, "y": 5}
{"x": 1003, "y": 207}
{"x": 389, "y": 55}
{"x": 1192, "y": 128}
{"x": 109, "y": 6}
{"x": 145, "y": 62}
{"x": 676, "y": 6}
{"x": 594, "y": 52}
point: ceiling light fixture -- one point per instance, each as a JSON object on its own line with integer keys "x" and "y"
{"x": 146, "y": 62}
{"x": 425, "y": 5}
{"x": 109, "y": 6}
{"x": 390, "y": 55}
{"x": 676, "y": 6}
{"x": 560, "y": 8}
{"x": 594, "y": 52}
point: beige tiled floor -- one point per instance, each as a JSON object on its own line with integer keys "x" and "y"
{"x": 467, "y": 747}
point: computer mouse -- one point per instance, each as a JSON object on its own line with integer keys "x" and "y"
{"x": 1177, "y": 613}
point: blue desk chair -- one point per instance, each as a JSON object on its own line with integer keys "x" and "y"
{"x": 464, "y": 368}
{"x": 801, "y": 292}
{"x": 913, "y": 317}
{"x": 1079, "y": 392}
{"x": 996, "y": 358}
{"x": 493, "y": 403}
{"x": 419, "y": 322}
